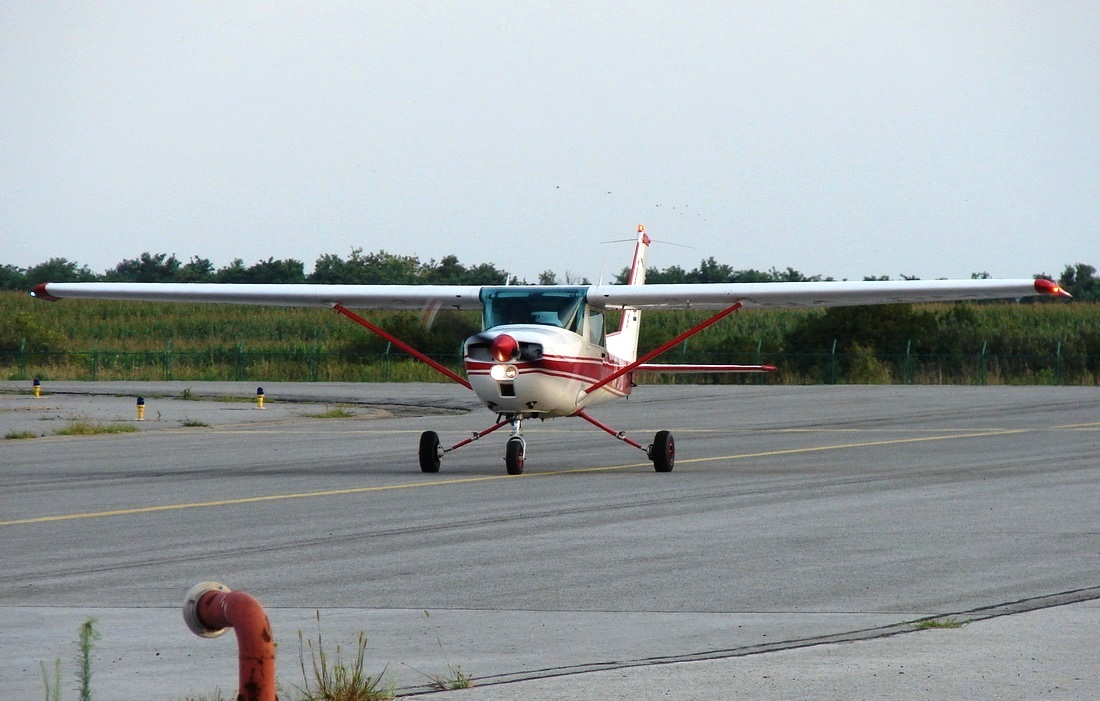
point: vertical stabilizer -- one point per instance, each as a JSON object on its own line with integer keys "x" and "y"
{"x": 623, "y": 344}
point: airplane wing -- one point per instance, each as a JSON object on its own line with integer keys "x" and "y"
{"x": 290, "y": 295}
{"x": 776, "y": 295}
{"x": 791, "y": 295}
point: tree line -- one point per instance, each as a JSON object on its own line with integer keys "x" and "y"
{"x": 383, "y": 268}
{"x": 357, "y": 268}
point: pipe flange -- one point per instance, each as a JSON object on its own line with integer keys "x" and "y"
{"x": 191, "y": 605}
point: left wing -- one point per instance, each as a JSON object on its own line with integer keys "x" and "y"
{"x": 792, "y": 295}
{"x": 289, "y": 295}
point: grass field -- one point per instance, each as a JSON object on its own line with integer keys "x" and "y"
{"x": 974, "y": 343}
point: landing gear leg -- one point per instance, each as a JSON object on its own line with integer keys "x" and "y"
{"x": 515, "y": 451}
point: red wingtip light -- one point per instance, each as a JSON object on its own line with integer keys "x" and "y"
{"x": 504, "y": 348}
{"x": 1047, "y": 287}
{"x": 39, "y": 292}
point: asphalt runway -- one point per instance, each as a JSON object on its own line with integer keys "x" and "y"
{"x": 795, "y": 516}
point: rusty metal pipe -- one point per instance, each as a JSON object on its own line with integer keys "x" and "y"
{"x": 210, "y": 609}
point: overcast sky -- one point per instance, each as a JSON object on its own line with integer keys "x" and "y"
{"x": 845, "y": 139}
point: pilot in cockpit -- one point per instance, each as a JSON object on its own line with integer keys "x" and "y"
{"x": 518, "y": 313}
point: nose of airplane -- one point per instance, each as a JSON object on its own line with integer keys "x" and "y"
{"x": 504, "y": 348}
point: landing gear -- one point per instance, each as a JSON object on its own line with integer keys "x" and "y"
{"x": 430, "y": 452}
{"x": 663, "y": 452}
{"x": 514, "y": 454}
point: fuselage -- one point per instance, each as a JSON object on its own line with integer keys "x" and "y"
{"x": 548, "y": 374}
{"x": 541, "y": 348}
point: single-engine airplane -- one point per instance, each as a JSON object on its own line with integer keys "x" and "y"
{"x": 543, "y": 351}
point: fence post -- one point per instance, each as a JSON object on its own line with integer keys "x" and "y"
{"x": 23, "y": 358}
{"x": 981, "y": 366}
{"x": 240, "y": 360}
{"x": 759, "y": 376}
{"x": 830, "y": 378}
{"x": 907, "y": 371}
{"x": 95, "y": 360}
{"x": 313, "y": 360}
{"x": 1058, "y": 364}
{"x": 167, "y": 368}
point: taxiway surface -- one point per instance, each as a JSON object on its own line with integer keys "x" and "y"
{"x": 795, "y": 516}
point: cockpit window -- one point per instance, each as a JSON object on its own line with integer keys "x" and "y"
{"x": 549, "y": 306}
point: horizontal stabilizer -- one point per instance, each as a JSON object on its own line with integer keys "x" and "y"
{"x": 687, "y": 368}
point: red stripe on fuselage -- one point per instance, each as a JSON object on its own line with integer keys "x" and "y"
{"x": 588, "y": 370}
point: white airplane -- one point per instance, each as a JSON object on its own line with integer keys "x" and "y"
{"x": 543, "y": 351}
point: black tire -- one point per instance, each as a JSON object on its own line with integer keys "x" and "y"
{"x": 513, "y": 456}
{"x": 429, "y": 451}
{"x": 663, "y": 452}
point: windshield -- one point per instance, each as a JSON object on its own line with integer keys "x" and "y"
{"x": 550, "y": 306}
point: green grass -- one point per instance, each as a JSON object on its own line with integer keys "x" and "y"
{"x": 455, "y": 678}
{"x": 940, "y": 623}
{"x": 16, "y": 435}
{"x": 84, "y": 427}
{"x": 334, "y": 413}
{"x": 989, "y": 343}
{"x": 194, "y": 423}
{"x": 331, "y": 677}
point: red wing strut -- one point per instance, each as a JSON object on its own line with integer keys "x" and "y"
{"x": 662, "y": 348}
{"x": 402, "y": 345}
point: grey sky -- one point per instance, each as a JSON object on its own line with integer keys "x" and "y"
{"x": 845, "y": 139}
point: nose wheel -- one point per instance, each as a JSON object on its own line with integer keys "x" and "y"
{"x": 514, "y": 454}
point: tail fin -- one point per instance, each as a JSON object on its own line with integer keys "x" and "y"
{"x": 623, "y": 344}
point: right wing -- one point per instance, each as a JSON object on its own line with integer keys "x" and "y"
{"x": 288, "y": 295}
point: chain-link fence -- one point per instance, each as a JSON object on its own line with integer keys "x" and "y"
{"x": 312, "y": 365}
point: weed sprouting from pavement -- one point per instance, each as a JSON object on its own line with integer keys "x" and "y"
{"x": 940, "y": 623}
{"x": 53, "y": 692}
{"x": 87, "y": 640}
{"x": 334, "y": 413}
{"x": 337, "y": 679}
{"x": 455, "y": 677}
{"x": 84, "y": 427}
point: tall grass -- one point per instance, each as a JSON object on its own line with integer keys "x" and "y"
{"x": 108, "y": 340}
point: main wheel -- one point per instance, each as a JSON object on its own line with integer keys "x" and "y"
{"x": 663, "y": 452}
{"x": 513, "y": 456}
{"x": 429, "y": 451}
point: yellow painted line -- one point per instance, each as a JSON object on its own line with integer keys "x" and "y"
{"x": 843, "y": 446}
{"x": 1080, "y": 426}
{"x": 242, "y": 500}
{"x": 483, "y": 478}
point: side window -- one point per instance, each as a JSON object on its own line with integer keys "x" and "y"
{"x": 595, "y": 328}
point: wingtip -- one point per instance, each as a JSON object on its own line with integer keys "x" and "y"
{"x": 1049, "y": 287}
{"x": 39, "y": 292}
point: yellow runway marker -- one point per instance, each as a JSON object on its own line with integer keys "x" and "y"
{"x": 485, "y": 478}
{"x": 842, "y": 446}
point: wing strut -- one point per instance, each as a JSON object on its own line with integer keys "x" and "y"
{"x": 401, "y": 344}
{"x": 662, "y": 348}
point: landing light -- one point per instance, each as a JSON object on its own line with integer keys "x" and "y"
{"x": 502, "y": 373}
